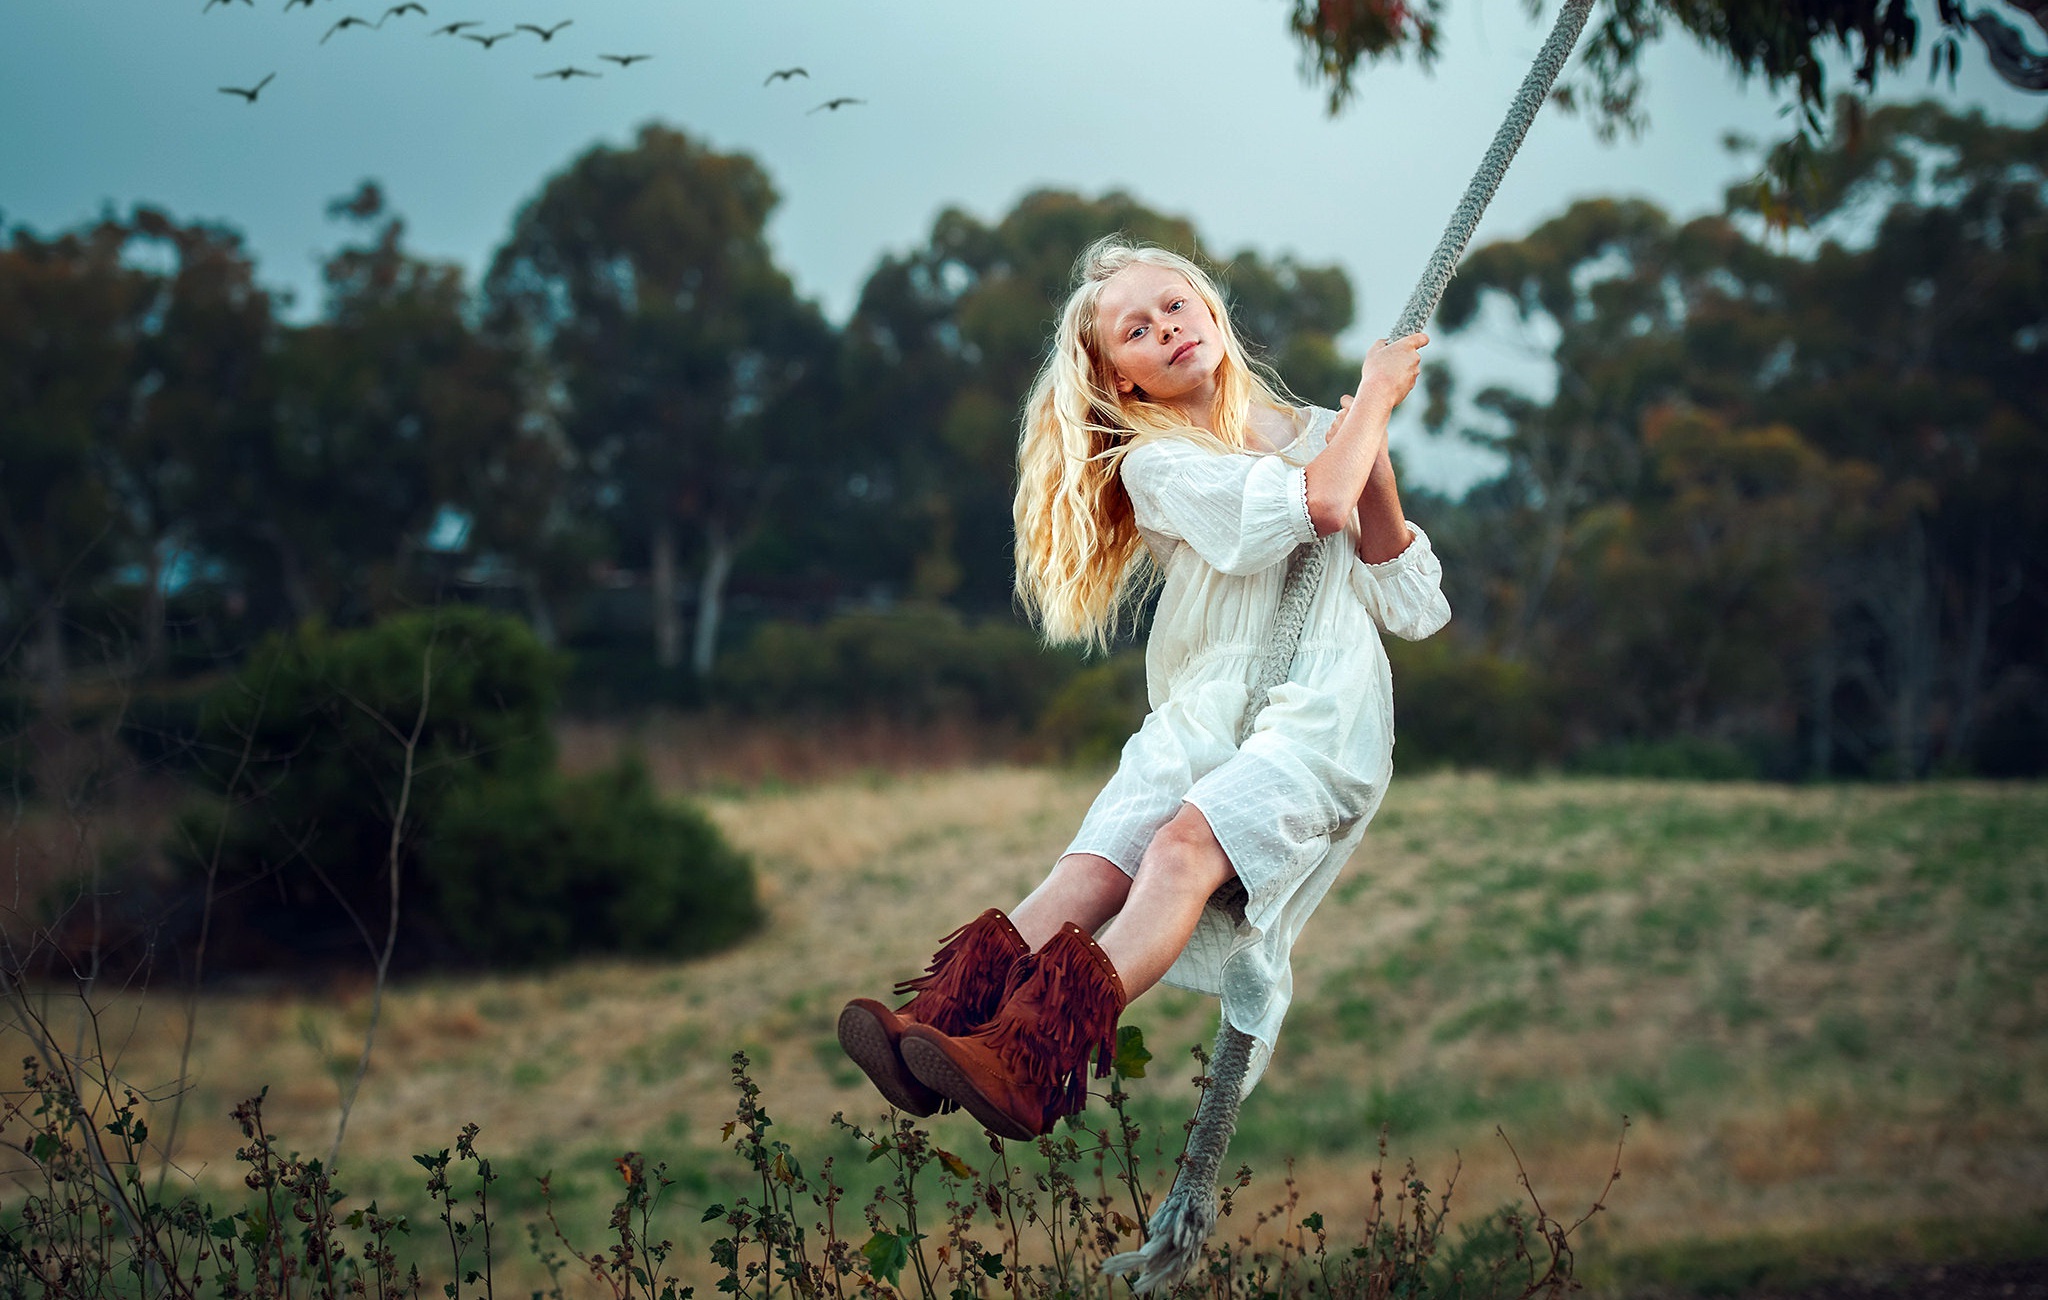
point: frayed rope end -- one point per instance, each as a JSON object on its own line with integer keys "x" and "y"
{"x": 1174, "y": 1244}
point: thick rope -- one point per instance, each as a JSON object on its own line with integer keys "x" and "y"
{"x": 1173, "y": 1239}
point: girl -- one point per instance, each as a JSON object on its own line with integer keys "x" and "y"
{"x": 1149, "y": 435}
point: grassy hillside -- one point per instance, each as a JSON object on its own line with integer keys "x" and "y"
{"x": 1821, "y": 1009}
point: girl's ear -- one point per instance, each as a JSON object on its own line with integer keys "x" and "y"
{"x": 1125, "y": 386}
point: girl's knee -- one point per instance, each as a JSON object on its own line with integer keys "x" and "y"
{"x": 1187, "y": 852}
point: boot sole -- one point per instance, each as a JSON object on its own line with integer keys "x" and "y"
{"x": 866, "y": 1044}
{"x": 935, "y": 1070}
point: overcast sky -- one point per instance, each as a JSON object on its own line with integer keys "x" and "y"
{"x": 1197, "y": 108}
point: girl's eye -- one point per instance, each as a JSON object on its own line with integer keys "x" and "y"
{"x": 1136, "y": 330}
{"x": 1176, "y": 305}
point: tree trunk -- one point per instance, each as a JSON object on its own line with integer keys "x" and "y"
{"x": 51, "y": 678}
{"x": 1962, "y": 732}
{"x": 297, "y": 592}
{"x": 668, "y": 630}
{"x": 537, "y": 612}
{"x": 152, "y": 611}
{"x": 1558, "y": 496}
{"x": 718, "y": 556}
{"x": 1820, "y": 752}
{"x": 1913, "y": 654}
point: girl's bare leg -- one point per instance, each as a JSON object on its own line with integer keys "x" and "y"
{"x": 1182, "y": 867}
{"x": 1082, "y": 888}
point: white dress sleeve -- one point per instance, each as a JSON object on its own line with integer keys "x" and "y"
{"x": 1405, "y": 595}
{"x": 1241, "y": 514}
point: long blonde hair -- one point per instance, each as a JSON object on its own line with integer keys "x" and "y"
{"x": 1080, "y": 562}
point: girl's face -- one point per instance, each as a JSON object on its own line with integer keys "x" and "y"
{"x": 1158, "y": 335}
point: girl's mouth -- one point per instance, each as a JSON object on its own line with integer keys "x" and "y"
{"x": 1182, "y": 351}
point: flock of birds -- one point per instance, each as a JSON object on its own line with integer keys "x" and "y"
{"x": 487, "y": 40}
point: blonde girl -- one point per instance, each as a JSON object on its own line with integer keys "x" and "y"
{"x": 1153, "y": 450}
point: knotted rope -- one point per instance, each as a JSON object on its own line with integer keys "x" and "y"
{"x": 1188, "y": 1215}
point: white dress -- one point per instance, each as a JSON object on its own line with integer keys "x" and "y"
{"x": 1291, "y": 804}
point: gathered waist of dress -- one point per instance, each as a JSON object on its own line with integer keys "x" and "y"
{"x": 1239, "y": 660}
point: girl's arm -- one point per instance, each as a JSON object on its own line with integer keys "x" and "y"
{"x": 1383, "y": 531}
{"x": 1353, "y": 471}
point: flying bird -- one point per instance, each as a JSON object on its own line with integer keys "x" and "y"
{"x": 251, "y": 3}
{"x": 836, "y": 104}
{"x": 566, "y": 73}
{"x": 486, "y": 41}
{"x": 545, "y": 33}
{"x": 784, "y": 74}
{"x": 350, "y": 21}
{"x": 249, "y": 94}
{"x": 625, "y": 60}
{"x": 451, "y": 27}
{"x": 290, "y": 4}
{"x": 399, "y": 11}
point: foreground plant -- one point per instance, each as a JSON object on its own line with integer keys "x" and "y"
{"x": 1030, "y": 1222}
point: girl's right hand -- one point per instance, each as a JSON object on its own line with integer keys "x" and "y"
{"x": 1390, "y": 369}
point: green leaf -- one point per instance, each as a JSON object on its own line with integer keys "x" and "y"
{"x": 1131, "y": 1055}
{"x": 715, "y": 1212}
{"x": 886, "y": 1254}
{"x": 879, "y": 1149}
{"x": 991, "y": 1264}
{"x": 1314, "y": 1222}
{"x": 45, "y": 1146}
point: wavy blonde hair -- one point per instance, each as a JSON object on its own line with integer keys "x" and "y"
{"x": 1081, "y": 565}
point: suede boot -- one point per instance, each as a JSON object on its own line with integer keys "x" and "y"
{"x": 1026, "y": 1068}
{"x": 957, "y": 992}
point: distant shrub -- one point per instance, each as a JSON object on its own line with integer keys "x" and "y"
{"x": 1675, "y": 758}
{"x": 304, "y": 825}
{"x": 917, "y": 663}
{"x": 1468, "y": 708}
{"x": 1094, "y": 713}
{"x": 538, "y": 870}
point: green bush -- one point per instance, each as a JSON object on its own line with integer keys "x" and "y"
{"x": 917, "y": 663}
{"x": 538, "y": 870}
{"x": 500, "y": 859}
{"x": 1468, "y": 708}
{"x": 1089, "y": 719}
{"x": 303, "y": 755}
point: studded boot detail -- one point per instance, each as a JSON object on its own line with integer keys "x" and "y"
{"x": 1027, "y": 1066}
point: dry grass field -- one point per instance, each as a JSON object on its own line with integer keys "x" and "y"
{"x": 1821, "y": 1009}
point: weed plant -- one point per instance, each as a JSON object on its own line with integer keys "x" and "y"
{"x": 1031, "y": 1222}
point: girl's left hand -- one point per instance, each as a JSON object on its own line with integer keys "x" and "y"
{"x": 1391, "y": 369}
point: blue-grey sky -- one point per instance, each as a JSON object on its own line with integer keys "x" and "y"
{"x": 1197, "y": 108}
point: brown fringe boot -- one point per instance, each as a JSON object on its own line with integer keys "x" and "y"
{"x": 957, "y": 992}
{"x": 1027, "y": 1067}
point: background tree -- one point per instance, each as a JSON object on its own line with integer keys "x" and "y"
{"x": 67, "y": 346}
{"x": 1851, "y": 438}
{"x": 644, "y": 276}
{"x": 201, "y": 384}
{"x": 389, "y": 409}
